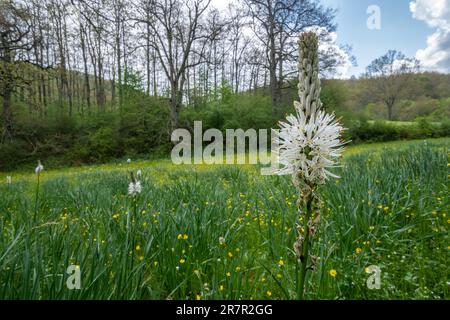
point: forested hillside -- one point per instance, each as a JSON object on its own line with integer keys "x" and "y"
{"x": 91, "y": 81}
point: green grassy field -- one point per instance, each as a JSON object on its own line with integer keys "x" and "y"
{"x": 402, "y": 123}
{"x": 226, "y": 232}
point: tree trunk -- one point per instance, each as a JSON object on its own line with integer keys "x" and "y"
{"x": 174, "y": 104}
{"x": 390, "y": 107}
{"x": 6, "y": 93}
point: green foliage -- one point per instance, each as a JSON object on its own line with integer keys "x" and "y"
{"x": 242, "y": 110}
{"x": 334, "y": 95}
{"x": 377, "y": 131}
{"x": 140, "y": 127}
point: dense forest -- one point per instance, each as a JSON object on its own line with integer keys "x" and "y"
{"x": 91, "y": 81}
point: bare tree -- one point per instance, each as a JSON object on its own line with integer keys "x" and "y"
{"x": 78, "y": 54}
{"x": 14, "y": 28}
{"x": 177, "y": 28}
{"x": 389, "y": 76}
{"x": 277, "y": 23}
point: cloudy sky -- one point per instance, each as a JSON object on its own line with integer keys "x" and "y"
{"x": 418, "y": 28}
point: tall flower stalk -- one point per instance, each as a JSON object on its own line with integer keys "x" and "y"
{"x": 308, "y": 145}
{"x": 39, "y": 168}
{"x": 134, "y": 189}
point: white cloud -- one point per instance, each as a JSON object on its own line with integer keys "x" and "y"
{"x": 343, "y": 70}
{"x": 436, "y": 13}
{"x": 330, "y": 49}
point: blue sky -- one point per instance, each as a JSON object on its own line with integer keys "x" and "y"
{"x": 420, "y": 30}
{"x": 399, "y": 30}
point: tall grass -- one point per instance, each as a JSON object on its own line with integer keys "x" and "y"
{"x": 390, "y": 209}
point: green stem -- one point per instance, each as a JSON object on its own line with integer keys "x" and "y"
{"x": 36, "y": 199}
{"x": 305, "y": 250}
{"x": 131, "y": 229}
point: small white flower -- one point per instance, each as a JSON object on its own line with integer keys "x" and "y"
{"x": 139, "y": 173}
{"x": 39, "y": 168}
{"x": 134, "y": 188}
{"x": 8, "y": 179}
{"x": 129, "y": 160}
{"x": 222, "y": 241}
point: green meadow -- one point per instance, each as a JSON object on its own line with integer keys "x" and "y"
{"x": 226, "y": 231}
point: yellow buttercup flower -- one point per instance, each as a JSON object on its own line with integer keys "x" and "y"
{"x": 138, "y": 248}
{"x": 358, "y": 250}
{"x": 182, "y": 261}
{"x": 269, "y": 293}
{"x": 333, "y": 273}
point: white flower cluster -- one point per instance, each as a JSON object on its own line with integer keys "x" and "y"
{"x": 134, "y": 188}
{"x": 39, "y": 168}
{"x": 308, "y": 142}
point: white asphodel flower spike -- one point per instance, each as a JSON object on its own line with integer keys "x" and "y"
{"x": 129, "y": 160}
{"x": 134, "y": 188}
{"x": 39, "y": 167}
{"x": 308, "y": 146}
{"x": 309, "y": 142}
{"x": 8, "y": 179}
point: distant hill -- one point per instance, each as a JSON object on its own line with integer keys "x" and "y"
{"x": 427, "y": 96}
